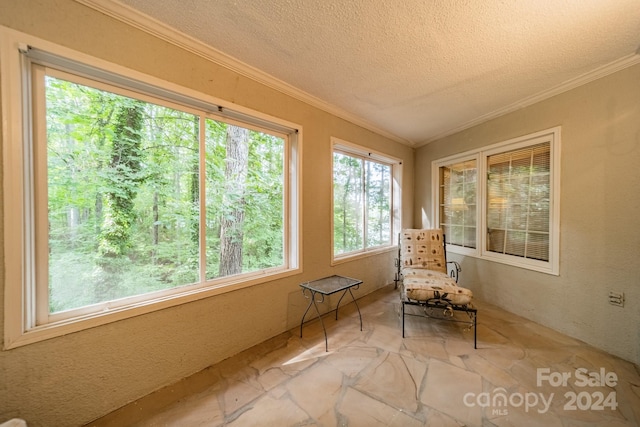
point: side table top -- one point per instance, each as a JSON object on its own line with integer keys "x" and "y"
{"x": 331, "y": 284}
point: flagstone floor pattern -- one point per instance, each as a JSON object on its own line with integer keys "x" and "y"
{"x": 374, "y": 377}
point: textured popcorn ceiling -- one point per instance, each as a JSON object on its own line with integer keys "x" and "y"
{"x": 417, "y": 69}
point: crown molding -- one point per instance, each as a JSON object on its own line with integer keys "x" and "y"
{"x": 134, "y": 18}
{"x": 573, "y": 83}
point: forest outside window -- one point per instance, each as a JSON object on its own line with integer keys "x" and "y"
{"x": 516, "y": 218}
{"x": 363, "y": 200}
{"x": 135, "y": 198}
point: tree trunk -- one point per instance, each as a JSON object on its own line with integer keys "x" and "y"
{"x": 124, "y": 181}
{"x": 195, "y": 190}
{"x": 345, "y": 196}
{"x": 156, "y": 226}
{"x": 233, "y": 209}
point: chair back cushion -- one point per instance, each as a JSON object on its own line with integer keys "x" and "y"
{"x": 423, "y": 249}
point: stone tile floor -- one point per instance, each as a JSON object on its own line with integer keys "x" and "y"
{"x": 522, "y": 374}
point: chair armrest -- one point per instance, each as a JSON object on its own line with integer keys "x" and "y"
{"x": 454, "y": 269}
{"x": 398, "y": 273}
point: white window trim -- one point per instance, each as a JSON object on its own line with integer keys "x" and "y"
{"x": 435, "y": 178}
{"x": 338, "y": 144}
{"x": 480, "y": 155}
{"x": 19, "y": 302}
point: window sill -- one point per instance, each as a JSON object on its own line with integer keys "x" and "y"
{"x": 527, "y": 264}
{"x": 52, "y": 330}
{"x": 360, "y": 255}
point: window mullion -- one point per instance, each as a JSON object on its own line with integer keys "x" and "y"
{"x": 508, "y": 210}
{"x": 38, "y": 240}
{"x": 365, "y": 200}
{"x": 481, "y": 204}
{"x": 526, "y": 228}
{"x": 203, "y": 198}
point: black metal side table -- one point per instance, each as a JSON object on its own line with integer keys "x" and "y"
{"x": 327, "y": 286}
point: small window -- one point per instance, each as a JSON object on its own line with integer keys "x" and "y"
{"x": 363, "y": 200}
{"x": 502, "y": 202}
{"x": 458, "y": 192}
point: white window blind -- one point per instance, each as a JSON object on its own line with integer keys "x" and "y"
{"x": 458, "y": 191}
{"x": 518, "y": 202}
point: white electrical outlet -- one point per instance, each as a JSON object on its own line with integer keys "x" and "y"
{"x": 616, "y": 298}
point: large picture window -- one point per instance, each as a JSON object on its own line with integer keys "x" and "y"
{"x": 363, "y": 200}
{"x": 502, "y": 202}
{"x": 134, "y": 196}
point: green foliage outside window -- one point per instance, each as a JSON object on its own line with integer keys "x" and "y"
{"x": 361, "y": 204}
{"x": 123, "y": 191}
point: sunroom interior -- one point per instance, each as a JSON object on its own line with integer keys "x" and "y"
{"x": 71, "y": 365}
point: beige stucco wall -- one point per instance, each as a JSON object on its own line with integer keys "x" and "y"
{"x": 74, "y": 379}
{"x": 599, "y": 221}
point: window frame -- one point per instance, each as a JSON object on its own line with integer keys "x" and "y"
{"x": 464, "y": 250}
{"x": 21, "y": 302}
{"x": 364, "y": 153}
{"x": 553, "y": 136}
